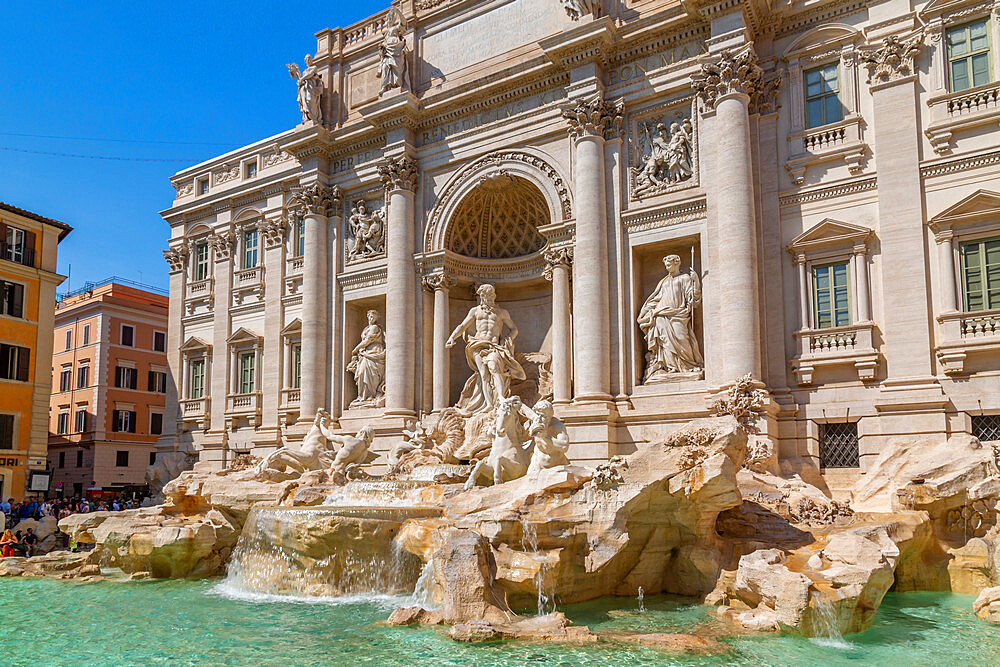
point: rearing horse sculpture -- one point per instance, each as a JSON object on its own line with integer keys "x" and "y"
{"x": 509, "y": 455}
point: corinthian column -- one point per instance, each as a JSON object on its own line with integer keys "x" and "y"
{"x": 726, "y": 87}
{"x": 440, "y": 284}
{"x": 557, "y": 271}
{"x": 592, "y": 122}
{"x": 314, "y": 203}
{"x": 399, "y": 176}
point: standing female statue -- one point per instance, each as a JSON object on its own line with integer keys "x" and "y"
{"x": 667, "y": 320}
{"x": 368, "y": 365}
{"x": 392, "y": 54}
{"x": 310, "y": 89}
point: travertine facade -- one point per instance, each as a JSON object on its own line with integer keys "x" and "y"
{"x": 827, "y": 175}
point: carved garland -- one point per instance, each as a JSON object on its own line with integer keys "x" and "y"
{"x": 736, "y": 72}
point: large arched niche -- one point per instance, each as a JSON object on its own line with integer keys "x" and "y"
{"x": 499, "y": 219}
{"x": 526, "y": 174}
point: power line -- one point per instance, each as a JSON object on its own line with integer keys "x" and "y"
{"x": 121, "y": 141}
{"x": 101, "y": 157}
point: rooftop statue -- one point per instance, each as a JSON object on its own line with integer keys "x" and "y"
{"x": 392, "y": 54}
{"x": 667, "y": 320}
{"x": 310, "y": 90}
{"x": 577, "y": 9}
{"x": 489, "y": 353}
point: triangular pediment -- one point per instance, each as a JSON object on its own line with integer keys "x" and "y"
{"x": 821, "y": 38}
{"x": 194, "y": 343}
{"x": 980, "y": 204}
{"x": 294, "y": 326}
{"x": 242, "y": 335}
{"x": 829, "y": 232}
{"x": 938, "y": 7}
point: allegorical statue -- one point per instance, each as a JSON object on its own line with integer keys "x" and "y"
{"x": 367, "y": 231}
{"x": 679, "y": 152}
{"x": 353, "y": 450}
{"x": 313, "y": 454}
{"x": 368, "y": 365}
{"x": 549, "y": 435}
{"x": 488, "y": 351}
{"x": 669, "y": 160}
{"x": 392, "y": 67}
{"x": 667, "y": 320}
{"x": 310, "y": 90}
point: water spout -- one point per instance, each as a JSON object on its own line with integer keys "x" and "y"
{"x": 642, "y": 607}
{"x": 529, "y": 543}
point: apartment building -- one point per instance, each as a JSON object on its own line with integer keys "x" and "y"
{"x": 109, "y": 380}
{"x": 28, "y": 281}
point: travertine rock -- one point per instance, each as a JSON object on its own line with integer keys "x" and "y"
{"x": 56, "y": 565}
{"x": 987, "y": 605}
{"x": 764, "y": 579}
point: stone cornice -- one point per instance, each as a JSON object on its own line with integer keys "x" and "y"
{"x": 818, "y": 14}
{"x": 955, "y": 165}
{"x": 592, "y": 41}
{"x": 664, "y": 216}
{"x": 838, "y": 190}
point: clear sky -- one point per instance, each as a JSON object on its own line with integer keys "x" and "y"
{"x": 142, "y": 77}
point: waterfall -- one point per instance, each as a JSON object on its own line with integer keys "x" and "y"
{"x": 642, "y": 606}
{"x": 825, "y": 623}
{"x": 529, "y": 542}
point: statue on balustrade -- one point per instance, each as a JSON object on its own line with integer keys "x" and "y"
{"x": 310, "y": 90}
{"x": 488, "y": 352}
{"x": 368, "y": 365}
{"x": 367, "y": 232}
{"x": 392, "y": 67}
{"x": 667, "y": 321}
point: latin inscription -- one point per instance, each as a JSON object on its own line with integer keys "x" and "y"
{"x": 352, "y": 161}
{"x": 641, "y": 67}
{"x": 473, "y": 121}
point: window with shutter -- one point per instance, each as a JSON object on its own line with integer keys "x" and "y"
{"x": 131, "y": 422}
{"x": 23, "y": 359}
{"x": 155, "y": 423}
{"x": 151, "y": 381}
{"x": 6, "y": 431}
{"x": 128, "y": 336}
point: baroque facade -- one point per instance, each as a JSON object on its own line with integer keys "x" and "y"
{"x": 666, "y": 196}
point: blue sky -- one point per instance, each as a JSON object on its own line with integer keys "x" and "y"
{"x": 208, "y": 73}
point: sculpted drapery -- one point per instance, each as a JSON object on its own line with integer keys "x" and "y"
{"x": 368, "y": 364}
{"x": 667, "y": 320}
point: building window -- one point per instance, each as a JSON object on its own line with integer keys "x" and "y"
{"x": 250, "y": 169}
{"x": 838, "y": 445}
{"x": 123, "y": 421}
{"x": 65, "y": 379}
{"x": 247, "y": 372}
{"x": 69, "y": 339}
{"x": 83, "y": 377}
{"x": 197, "y": 378}
{"x": 11, "y": 299}
{"x": 250, "y": 249}
{"x": 152, "y": 458}
{"x": 86, "y": 334}
{"x": 201, "y": 262}
{"x": 62, "y": 423}
{"x": 159, "y": 341}
{"x": 128, "y": 335}
{"x": 81, "y": 420}
{"x": 986, "y": 428}
{"x": 203, "y": 186}
{"x": 18, "y": 246}
{"x": 300, "y": 237}
{"x": 156, "y": 423}
{"x": 79, "y": 460}
{"x": 121, "y": 458}
{"x": 62, "y": 459}
{"x": 831, "y": 290}
{"x": 126, "y": 378}
{"x": 297, "y": 367}
{"x": 14, "y": 362}
{"x": 981, "y": 274}
{"x": 157, "y": 382}
{"x": 6, "y": 431}
{"x": 969, "y": 55}
{"x": 823, "y": 96}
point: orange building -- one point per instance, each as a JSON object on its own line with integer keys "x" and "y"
{"x": 28, "y": 280}
{"x": 109, "y": 382}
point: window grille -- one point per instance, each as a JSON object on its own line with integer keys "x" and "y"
{"x": 838, "y": 445}
{"x": 986, "y": 427}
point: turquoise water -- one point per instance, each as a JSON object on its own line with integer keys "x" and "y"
{"x": 191, "y": 623}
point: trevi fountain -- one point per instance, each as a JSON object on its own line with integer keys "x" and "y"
{"x": 578, "y": 332}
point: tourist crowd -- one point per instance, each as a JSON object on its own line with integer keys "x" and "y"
{"x": 12, "y": 513}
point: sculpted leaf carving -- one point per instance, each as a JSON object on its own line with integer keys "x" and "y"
{"x": 736, "y": 71}
{"x": 595, "y": 117}
{"x": 399, "y": 173}
{"x": 315, "y": 199}
{"x": 893, "y": 59}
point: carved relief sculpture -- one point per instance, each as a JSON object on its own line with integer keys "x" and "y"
{"x": 893, "y": 59}
{"x": 667, "y": 321}
{"x": 489, "y": 353}
{"x": 367, "y": 232}
{"x": 310, "y": 90}
{"x": 667, "y": 159}
{"x": 368, "y": 365}
{"x": 392, "y": 67}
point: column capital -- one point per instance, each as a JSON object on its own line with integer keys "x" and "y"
{"x": 594, "y": 117}
{"x": 222, "y": 243}
{"x": 892, "y": 60}
{"x": 398, "y": 173}
{"x": 860, "y": 249}
{"x": 315, "y": 199}
{"x": 736, "y": 72}
{"x": 439, "y": 281}
{"x": 765, "y": 99}
{"x": 555, "y": 258}
{"x": 176, "y": 258}
{"x": 274, "y": 232}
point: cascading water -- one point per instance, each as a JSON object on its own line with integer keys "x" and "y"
{"x": 642, "y": 606}
{"x": 825, "y": 623}
{"x": 529, "y": 543}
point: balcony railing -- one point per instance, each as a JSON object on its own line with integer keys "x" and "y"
{"x": 194, "y": 408}
{"x": 843, "y": 140}
{"x": 961, "y": 111}
{"x": 965, "y": 333}
{"x": 850, "y": 345}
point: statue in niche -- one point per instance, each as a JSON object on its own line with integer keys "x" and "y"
{"x": 368, "y": 365}
{"x": 310, "y": 90}
{"x": 549, "y": 435}
{"x": 577, "y": 9}
{"x": 367, "y": 232}
{"x": 313, "y": 454}
{"x": 488, "y": 352}
{"x": 667, "y": 320}
{"x": 392, "y": 67}
{"x": 668, "y": 160}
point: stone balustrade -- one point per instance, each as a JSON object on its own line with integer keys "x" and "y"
{"x": 843, "y": 140}
{"x": 964, "y": 333}
{"x": 851, "y": 345}
{"x": 961, "y": 111}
